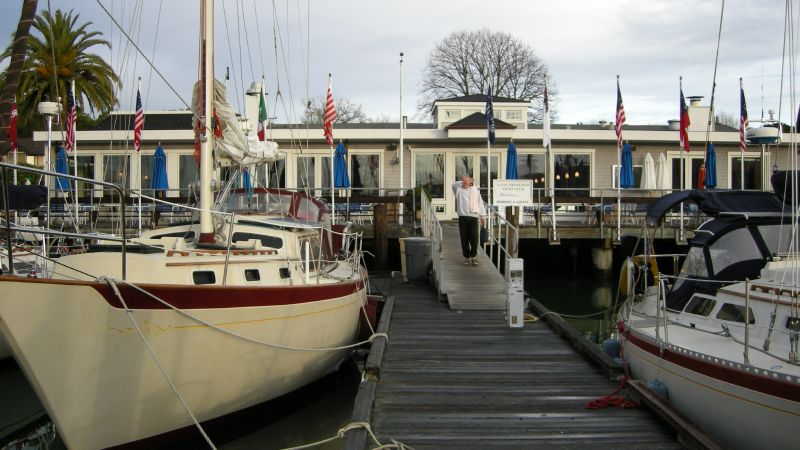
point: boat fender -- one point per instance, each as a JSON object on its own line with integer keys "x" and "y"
{"x": 611, "y": 347}
{"x": 659, "y": 388}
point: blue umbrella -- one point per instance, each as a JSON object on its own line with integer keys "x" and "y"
{"x": 247, "y": 183}
{"x": 62, "y": 166}
{"x": 711, "y": 166}
{"x": 626, "y": 177}
{"x": 511, "y": 162}
{"x": 340, "y": 178}
{"x": 159, "y": 178}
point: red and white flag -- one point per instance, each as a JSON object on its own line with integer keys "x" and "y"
{"x": 684, "y": 124}
{"x": 12, "y": 127}
{"x": 330, "y": 116}
{"x": 138, "y": 122}
{"x": 72, "y": 118}
{"x": 620, "y": 116}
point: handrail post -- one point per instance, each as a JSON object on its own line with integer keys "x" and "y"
{"x": 7, "y": 206}
{"x": 747, "y": 321}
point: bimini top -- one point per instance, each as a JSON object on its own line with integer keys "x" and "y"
{"x": 715, "y": 202}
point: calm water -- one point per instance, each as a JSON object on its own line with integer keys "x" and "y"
{"x": 560, "y": 277}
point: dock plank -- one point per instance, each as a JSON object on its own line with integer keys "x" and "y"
{"x": 463, "y": 379}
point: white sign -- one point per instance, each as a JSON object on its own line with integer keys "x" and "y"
{"x": 512, "y": 192}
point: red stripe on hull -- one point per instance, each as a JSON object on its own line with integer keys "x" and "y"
{"x": 208, "y": 296}
{"x": 758, "y": 383}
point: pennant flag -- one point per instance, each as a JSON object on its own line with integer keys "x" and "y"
{"x": 12, "y": 127}
{"x": 684, "y": 126}
{"x": 262, "y": 116}
{"x": 742, "y": 121}
{"x": 490, "y": 116}
{"x": 138, "y": 122}
{"x": 72, "y": 118}
{"x": 545, "y": 119}
{"x": 330, "y": 116}
{"x": 620, "y": 116}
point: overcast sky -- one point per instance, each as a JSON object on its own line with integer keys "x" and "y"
{"x": 585, "y": 44}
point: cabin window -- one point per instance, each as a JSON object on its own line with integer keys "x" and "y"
{"x": 181, "y": 234}
{"x": 266, "y": 241}
{"x": 204, "y": 277}
{"x": 701, "y": 306}
{"x": 777, "y": 237}
{"x": 252, "y": 275}
{"x": 284, "y": 273}
{"x": 734, "y": 313}
{"x": 734, "y": 247}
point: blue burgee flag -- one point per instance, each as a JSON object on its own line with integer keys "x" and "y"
{"x": 490, "y": 116}
{"x": 62, "y": 166}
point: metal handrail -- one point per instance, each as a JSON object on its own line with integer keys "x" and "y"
{"x": 432, "y": 229}
{"x": 6, "y": 167}
{"x": 500, "y": 226}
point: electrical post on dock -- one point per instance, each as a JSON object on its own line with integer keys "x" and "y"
{"x": 515, "y": 293}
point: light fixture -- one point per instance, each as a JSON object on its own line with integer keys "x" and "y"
{"x": 558, "y": 177}
{"x": 566, "y": 176}
{"x": 577, "y": 174}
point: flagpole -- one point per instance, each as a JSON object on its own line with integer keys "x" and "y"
{"x": 139, "y": 151}
{"x": 333, "y": 182}
{"x": 682, "y": 149}
{"x": 549, "y": 163}
{"x": 16, "y": 145}
{"x": 619, "y": 175}
{"x": 742, "y": 131}
{"x": 75, "y": 151}
{"x": 402, "y": 131}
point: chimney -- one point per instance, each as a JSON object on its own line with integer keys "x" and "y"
{"x": 674, "y": 124}
{"x": 603, "y": 123}
{"x": 694, "y": 100}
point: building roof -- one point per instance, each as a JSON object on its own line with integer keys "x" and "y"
{"x": 480, "y": 98}
{"x": 170, "y": 120}
{"x": 25, "y": 145}
{"x": 478, "y": 120}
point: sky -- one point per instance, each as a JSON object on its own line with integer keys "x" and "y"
{"x": 584, "y": 43}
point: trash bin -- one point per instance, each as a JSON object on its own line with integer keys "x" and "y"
{"x": 418, "y": 257}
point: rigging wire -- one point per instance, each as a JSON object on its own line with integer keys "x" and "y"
{"x": 258, "y": 35}
{"x": 247, "y": 42}
{"x": 230, "y": 55}
{"x": 714, "y": 82}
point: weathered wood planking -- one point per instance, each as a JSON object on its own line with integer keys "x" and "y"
{"x": 463, "y": 379}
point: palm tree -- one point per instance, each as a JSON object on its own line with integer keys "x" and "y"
{"x": 56, "y": 57}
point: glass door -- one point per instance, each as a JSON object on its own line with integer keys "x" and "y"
{"x": 691, "y": 169}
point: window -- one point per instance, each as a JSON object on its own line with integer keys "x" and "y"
{"x": 752, "y": 173}
{"x": 85, "y": 170}
{"x": 532, "y": 167}
{"x": 734, "y": 313}
{"x": 693, "y": 266}
{"x": 252, "y": 275}
{"x": 305, "y": 172}
{"x": 116, "y": 169}
{"x": 273, "y": 174}
{"x": 365, "y": 173}
{"x": 147, "y": 173}
{"x": 777, "y": 238}
{"x": 571, "y": 173}
{"x": 204, "y": 277}
{"x": 691, "y": 171}
{"x": 463, "y": 166}
{"x": 515, "y": 116}
{"x": 266, "y": 240}
{"x": 637, "y": 176}
{"x": 734, "y": 247}
{"x": 429, "y": 173}
{"x": 452, "y": 114}
{"x": 701, "y": 306}
{"x": 484, "y": 182}
{"x": 187, "y": 174}
{"x": 325, "y": 166}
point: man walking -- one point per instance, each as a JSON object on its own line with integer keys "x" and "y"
{"x": 470, "y": 210}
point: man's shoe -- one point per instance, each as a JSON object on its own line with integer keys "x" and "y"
{"x": 474, "y": 261}
{"x": 466, "y": 262}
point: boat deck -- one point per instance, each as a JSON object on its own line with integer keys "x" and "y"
{"x": 464, "y": 379}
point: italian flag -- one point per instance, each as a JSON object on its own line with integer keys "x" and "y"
{"x": 262, "y": 116}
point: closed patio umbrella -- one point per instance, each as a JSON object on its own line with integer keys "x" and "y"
{"x": 62, "y": 166}
{"x": 648, "y": 173}
{"x": 159, "y": 175}
{"x": 662, "y": 173}
{"x": 511, "y": 162}
{"x": 340, "y": 177}
{"x": 711, "y": 167}
{"x": 626, "y": 175}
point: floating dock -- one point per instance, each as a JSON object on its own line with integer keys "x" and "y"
{"x": 450, "y": 378}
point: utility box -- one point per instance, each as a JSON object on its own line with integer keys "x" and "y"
{"x": 515, "y": 292}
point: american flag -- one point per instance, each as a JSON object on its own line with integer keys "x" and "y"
{"x": 490, "y": 116}
{"x": 138, "y": 122}
{"x": 684, "y": 126}
{"x": 12, "y": 127}
{"x": 742, "y": 121}
{"x": 330, "y": 116}
{"x": 72, "y": 118}
{"x": 620, "y": 116}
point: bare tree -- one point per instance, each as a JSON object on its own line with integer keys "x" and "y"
{"x": 468, "y": 62}
{"x": 726, "y": 118}
{"x": 347, "y": 111}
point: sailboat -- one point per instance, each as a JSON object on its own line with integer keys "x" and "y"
{"x": 720, "y": 339}
{"x": 131, "y": 342}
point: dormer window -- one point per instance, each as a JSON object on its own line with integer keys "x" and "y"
{"x": 514, "y": 116}
{"x": 452, "y": 114}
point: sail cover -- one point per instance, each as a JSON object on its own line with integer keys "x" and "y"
{"x": 232, "y": 144}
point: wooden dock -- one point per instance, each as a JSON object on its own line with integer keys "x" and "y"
{"x": 464, "y": 379}
{"x": 468, "y": 287}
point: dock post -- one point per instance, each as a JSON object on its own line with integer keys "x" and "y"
{"x": 381, "y": 238}
{"x": 515, "y": 292}
{"x": 603, "y": 257}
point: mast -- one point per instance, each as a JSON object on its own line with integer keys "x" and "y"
{"x": 206, "y": 133}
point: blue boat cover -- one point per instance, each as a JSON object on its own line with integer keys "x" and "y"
{"x": 714, "y": 202}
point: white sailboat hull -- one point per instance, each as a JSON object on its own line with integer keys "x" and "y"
{"x": 742, "y": 408}
{"x": 101, "y": 386}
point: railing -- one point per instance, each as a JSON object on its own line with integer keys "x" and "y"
{"x": 503, "y": 240}
{"x": 432, "y": 229}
